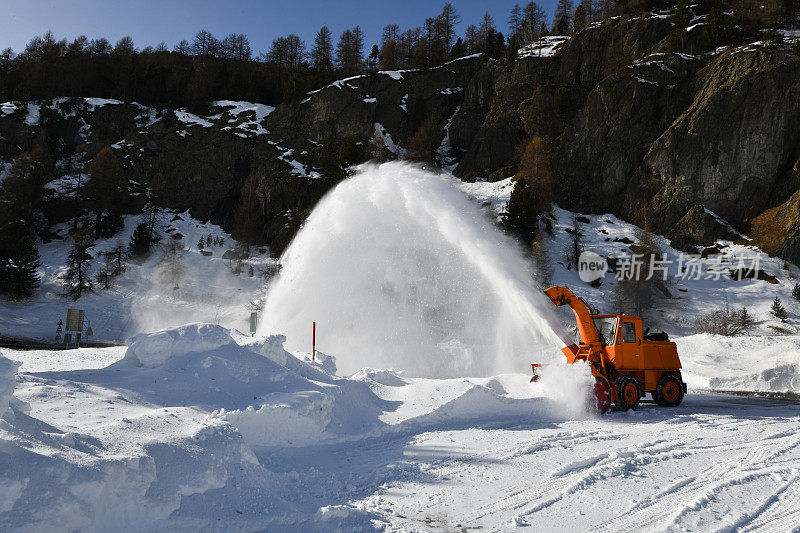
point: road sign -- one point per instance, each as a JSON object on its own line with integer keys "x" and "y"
{"x": 75, "y": 319}
{"x": 253, "y": 322}
{"x": 58, "y": 329}
{"x": 60, "y": 322}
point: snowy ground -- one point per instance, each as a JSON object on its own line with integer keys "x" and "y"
{"x": 199, "y": 428}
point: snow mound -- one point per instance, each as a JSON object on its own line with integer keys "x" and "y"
{"x": 285, "y": 419}
{"x": 388, "y": 377}
{"x": 9, "y": 404}
{"x": 783, "y": 378}
{"x": 747, "y": 363}
{"x": 154, "y": 349}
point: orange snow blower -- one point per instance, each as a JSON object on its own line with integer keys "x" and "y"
{"x": 626, "y": 362}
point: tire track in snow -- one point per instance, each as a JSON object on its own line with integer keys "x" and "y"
{"x": 779, "y": 512}
{"x": 576, "y": 476}
{"x": 691, "y": 493}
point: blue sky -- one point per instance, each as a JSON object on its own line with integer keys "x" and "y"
{"x": 150, "y": 21}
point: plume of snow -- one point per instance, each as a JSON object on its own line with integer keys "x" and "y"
{"x": 401, "y": 270}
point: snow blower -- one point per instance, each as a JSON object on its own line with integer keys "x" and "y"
{"x": 626, "y": 362}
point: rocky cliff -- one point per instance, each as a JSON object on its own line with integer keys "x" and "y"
{"x": 698, "y": 146}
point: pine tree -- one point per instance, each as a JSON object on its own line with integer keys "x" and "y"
{"x": 77, "y": 279}
{"x": 576, "y": 243}
{"x": 208, "y": 241}
{"x": 680, "y": 20}
{"x": 796, "y": 291}
{"x": 521, "y": 215}
{"x": 373, "y": 59}
{"x": 778, "y": 310}
{"x": 204, "y": 44}
{"x": 18, "y": 269}
{"x": 745, "y": 322}
{"x": 446, "y": 25}
{"x": 23, "y": 191}
{"x": 201, "y": 243}
{"x": 141, "y": 240}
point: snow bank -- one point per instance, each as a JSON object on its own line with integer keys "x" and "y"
{"x": 746, "y": 363}
{"x": 8, "y": 403}
{"x": 154, "y": 349}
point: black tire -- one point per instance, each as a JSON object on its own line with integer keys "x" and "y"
{"x": 669, "y": 392}
{"x": 628, "y": 392}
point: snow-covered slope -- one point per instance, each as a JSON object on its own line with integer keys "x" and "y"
{"x": 141, "y": 299}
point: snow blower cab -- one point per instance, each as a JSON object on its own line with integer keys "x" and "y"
{"x": 626, "y": 361}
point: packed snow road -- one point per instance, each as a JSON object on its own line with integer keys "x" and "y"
{"x": 715, "y": 463}
{"x": 199, "y": 428}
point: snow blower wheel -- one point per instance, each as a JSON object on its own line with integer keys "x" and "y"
{"x": 602, "y": 394}
{"x": 628, "y": 392}
{"x": 669, "y": 392}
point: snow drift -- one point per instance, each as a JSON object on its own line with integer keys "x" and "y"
{"x": 401, "y": 270}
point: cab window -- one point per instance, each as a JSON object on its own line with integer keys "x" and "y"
{"x": 607, "y": 329}
{"x": 628, "y": 332}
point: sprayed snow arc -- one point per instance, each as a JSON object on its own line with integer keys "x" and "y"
{"x": 400, "y": 270}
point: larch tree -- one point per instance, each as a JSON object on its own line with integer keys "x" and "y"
{"x": 247, "y": 218}
{"x": 350, "y": 52}
{"x": 390, "y": 51}
{"x": 562, "y": 20}
{"x": 322, "y": 51}
{"x": 106, "y": 191}
{"x": 447, "y": 21}
{"x": 515, "y": 22}
{"x": 204, "y": 44}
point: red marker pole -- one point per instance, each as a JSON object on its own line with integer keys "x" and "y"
{"x": 313, "y": 341}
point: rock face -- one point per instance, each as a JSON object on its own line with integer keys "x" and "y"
{"x": 735, "y": 148}
{"x": 653, "y": 137}
{"x": 644, "y": 134}
{"x": 699, "y": 227}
